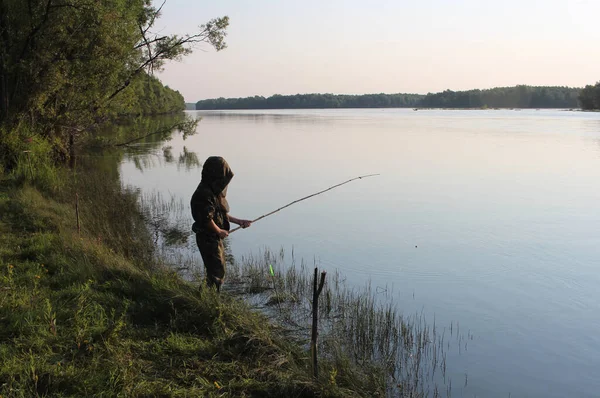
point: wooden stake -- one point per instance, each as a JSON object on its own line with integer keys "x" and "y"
{"x": 29, "y": 162}
{"x": 306, "y": 197}
{"x": 277, "y": 297}
{"x": 77, "y": 212}
{"x": 313, "y": 341}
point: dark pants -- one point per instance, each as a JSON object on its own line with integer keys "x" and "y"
{"x": 213, "y": 255}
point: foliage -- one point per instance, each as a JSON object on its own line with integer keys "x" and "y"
{"x": 505, "y": 97}
{"x": 65, "y": 66}
{"x": 305, "y": 101}
{"x": 502, "y": 97}
{"x": 30, "y": 155}
{"x": 590, "y": 97}
{"x": 146, "y": 96}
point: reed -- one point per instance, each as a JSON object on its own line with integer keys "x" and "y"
{"x": 98, "y": 313}
{"x": 359, "y": 328}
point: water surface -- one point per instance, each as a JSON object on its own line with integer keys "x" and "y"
{"x": 488, "y": 219}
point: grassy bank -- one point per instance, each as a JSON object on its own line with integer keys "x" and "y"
{"x": 95, "y": 314}
{"x": 360, "y": 327}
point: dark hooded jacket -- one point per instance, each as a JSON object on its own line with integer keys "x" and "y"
{"x": 209, "y": 200}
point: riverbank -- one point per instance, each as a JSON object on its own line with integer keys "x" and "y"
{"x": 94, "y": 313}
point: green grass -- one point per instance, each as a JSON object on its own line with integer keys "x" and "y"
{"x": 363, "y": 336}
{"x": 358, "y": 327}
{"x": 95, "y": 314}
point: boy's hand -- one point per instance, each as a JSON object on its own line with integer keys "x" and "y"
{"x": 245, "y": 223}
{"x": 222, "y": 234}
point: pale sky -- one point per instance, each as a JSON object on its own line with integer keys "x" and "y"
{"x": 389, "y": 46}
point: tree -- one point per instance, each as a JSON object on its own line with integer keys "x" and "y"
{"x": 589, "y": 98}
{"x": 505, "y": 97}
{"x": 66, "y": 65}
{"x": 308, "y": 101}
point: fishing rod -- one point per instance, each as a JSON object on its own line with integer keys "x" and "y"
{"x": 306, "y": 197}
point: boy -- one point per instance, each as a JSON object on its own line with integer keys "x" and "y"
{"x": 210, "y": 211}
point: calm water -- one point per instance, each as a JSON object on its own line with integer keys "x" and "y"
{"x": 486, "y": 218}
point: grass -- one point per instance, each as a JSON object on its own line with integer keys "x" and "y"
{"x": 116, "y": 310}
{"x": 98, "y": 314}
{"x": 359, "y": 327}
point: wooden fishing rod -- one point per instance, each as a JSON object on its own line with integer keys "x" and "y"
{"x": 304, "y": 198}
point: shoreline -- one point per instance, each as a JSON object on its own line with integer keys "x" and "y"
{"x": 101, "y": 303}
{"x": 407, "y": 108}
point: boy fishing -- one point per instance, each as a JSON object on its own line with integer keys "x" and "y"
{"x": 210, "y": 211}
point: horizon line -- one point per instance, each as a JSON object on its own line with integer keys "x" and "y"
{"x": 383, "y": 93}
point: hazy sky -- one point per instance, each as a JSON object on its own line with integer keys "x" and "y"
{"x": 355, "y": 47}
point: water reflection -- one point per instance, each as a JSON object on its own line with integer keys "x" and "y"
{"x": 151, "y": 158}
{"x": 188, "y": 160}
{"x": 279, "y": 117}
{"x": 141, "y": 141}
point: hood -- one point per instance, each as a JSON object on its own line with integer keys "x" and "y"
{"x": 216, "y": 174}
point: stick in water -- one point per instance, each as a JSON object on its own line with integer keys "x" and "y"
{"x": 304, "y": 198}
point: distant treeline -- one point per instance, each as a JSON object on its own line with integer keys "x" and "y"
{"x": 501, "y": 97}
{"x": 505, "y": 97}
{"x": 307, "y": 101}
{"x": 590, "y": 97}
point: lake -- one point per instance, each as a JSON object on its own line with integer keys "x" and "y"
{"x": 489, "y": 219}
